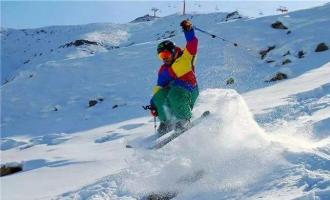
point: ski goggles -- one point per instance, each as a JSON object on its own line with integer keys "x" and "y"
{"x": 165, "y": 55}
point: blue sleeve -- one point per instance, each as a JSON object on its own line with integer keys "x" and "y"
{"x": 164, "y": 78}
{"x": 189, "y": 35}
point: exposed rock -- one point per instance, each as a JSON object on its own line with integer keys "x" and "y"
{"x": 233, "y": 15}
{"x": 270, "y": 61}
{"x": 160, "y": 196}
{"x": 286, "y": 61}
{"x": 321, "y": 47}
{"x": 279, "y": 25}
{"x": 118, "y": 105}
{"x": 11, "y": 168}
{"x": 288, "y": 32}
{"x": 92, "y": 103}
{"x": 230, "y": 81}
{"x": 287, "y": 53}
{"x": 279, "y": 76}
{"x": 144, "y": 18}
{"x": 77, "y": 43}
{"x": 41, "y": 31}
{"x": 264, "y": 52}
{"x": 57, "y": 108}
{"x": 301, "y": 54}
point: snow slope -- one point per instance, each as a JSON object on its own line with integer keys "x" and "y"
{"x": 270, "y": 142}
{"x": 69, "y": 83}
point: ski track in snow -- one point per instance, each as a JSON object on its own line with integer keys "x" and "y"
{"x": 270, "y": 142}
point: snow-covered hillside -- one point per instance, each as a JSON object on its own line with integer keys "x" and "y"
{"x": 72, "y": 98}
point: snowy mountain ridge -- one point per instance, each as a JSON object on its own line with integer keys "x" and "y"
{"x": 71, "y": 111}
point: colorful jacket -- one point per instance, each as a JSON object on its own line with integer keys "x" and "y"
{"x": 182, "y": 71}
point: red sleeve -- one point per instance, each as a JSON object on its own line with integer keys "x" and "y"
{"x": 192, "y": 46}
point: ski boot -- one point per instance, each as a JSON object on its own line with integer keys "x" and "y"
{"x": 182, "y": 125}
{"x": 164, "y": 127}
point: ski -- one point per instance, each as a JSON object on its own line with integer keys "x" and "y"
{"x": 174, "y": 134}
{"x": 168, "y": 137}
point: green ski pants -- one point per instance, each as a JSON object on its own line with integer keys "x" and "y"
{"x": 175, "y": 102}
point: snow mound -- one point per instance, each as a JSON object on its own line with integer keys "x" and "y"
{"x": 222, "y": 155}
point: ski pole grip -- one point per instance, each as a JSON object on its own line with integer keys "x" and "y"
{"x": 147, "y": 107}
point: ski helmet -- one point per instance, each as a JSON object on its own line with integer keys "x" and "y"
{"x": 166, "y": 45}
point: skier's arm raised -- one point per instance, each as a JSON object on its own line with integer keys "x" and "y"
{"x": 192, "y": 42}
{"x": 183, "y": 66}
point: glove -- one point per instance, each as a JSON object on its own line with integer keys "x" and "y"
{"x": 186, "y": 25}
{"x": 153, "y": 111}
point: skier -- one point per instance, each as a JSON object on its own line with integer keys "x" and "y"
{"x": 176, "y": 91}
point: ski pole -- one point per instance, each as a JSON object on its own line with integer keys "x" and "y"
{"x": 249, "y": 50}
{"x": 215, "y": 36}
{"x": 149, "y": 107}
{"x": 155, "y": 125}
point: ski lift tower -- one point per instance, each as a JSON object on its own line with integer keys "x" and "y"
{"x": 184, "y": 7}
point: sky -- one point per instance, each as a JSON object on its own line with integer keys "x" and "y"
{"x": 34, "y": 14}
